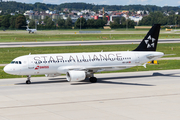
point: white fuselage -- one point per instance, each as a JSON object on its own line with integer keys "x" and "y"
{"x": 31, "y": 30}
{"x": 50, "y": 64}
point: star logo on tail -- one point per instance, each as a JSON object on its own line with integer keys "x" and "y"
{"x": 150, "y": 42}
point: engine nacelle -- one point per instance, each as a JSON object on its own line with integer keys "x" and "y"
{"x": 52, "y": 75}
{"x": 75, "y": 75}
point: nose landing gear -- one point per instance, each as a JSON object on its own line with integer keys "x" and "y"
{"x": 28, "y": 81}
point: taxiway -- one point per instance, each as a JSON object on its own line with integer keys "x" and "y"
{"x": 152, "y": 95}
{"x": 77, "y": 43}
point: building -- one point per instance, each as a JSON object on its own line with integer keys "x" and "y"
{"x": 136, "y": 18}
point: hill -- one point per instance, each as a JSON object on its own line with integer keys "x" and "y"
{"x": 12, "y": 6}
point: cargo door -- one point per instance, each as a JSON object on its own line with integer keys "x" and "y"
{"x": 137, "y": 58}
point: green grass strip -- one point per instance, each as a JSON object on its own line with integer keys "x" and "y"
{"x": 75, "y": 37}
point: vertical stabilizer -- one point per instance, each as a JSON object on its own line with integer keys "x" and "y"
{"x": 149, "y": 43}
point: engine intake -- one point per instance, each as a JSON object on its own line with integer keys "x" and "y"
{"x": 75, "y": 75}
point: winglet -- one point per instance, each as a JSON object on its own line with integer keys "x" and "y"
{"x": 144, "y": 65}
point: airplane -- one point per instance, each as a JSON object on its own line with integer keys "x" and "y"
{"x": 31, "y": 30}
{"x": 79, "y": 66}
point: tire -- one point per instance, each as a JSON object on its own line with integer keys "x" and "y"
{"x": 93, "y": 79}
{"x": 28, "y": 82}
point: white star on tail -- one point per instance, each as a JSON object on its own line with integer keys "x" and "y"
{"x": 150, "y": 44}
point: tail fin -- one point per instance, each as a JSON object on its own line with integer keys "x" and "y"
{"x": 27, "y": 27}
{"x": 150, "y": 41}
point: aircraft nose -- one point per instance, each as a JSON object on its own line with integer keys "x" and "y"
{"x": 7, "y": 69}
{"x": 11, "y": 70}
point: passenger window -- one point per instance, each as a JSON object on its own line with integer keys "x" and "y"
{"x": 16, "y": 62}
{"x": 19, "y": 62}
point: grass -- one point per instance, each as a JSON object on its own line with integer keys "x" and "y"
{"x": 162, "y": 65}
{"x": 58, "y": 36}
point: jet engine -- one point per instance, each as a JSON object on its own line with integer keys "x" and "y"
{"x": 75, "y": 75}
{"x": 52, "y": 75}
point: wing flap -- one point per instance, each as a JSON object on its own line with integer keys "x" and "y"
{"x": 106, "y": 67}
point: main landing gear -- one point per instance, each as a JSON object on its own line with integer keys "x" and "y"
{"x": 93, "y": 79}
{"x": 28, "y": 81}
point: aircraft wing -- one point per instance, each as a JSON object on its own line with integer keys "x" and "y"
{"x": 107, "y": 67}
{"x": 93, "y": 68}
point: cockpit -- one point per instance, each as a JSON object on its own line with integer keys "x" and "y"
{"x": 16, "y": 62}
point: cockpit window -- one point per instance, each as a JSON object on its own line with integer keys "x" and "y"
{"x": 12, "y": 62}
{"x": 16, "y": 62}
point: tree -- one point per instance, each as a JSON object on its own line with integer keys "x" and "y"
{"x": 49, "y": 22}
{"x": 1, "y": 18}
{"x": 12, "y": 21}
{"x": 5, "y": 22}
{"x": 171, "y": 20}
{"x": 45, "y": 19}
{"x": 81, "y": 23}
{"x": 61, "y": 23}
{"x": 155, "y": 18}
{"x": 131, "y": 23}
{"x": 90, "y": 23}
{"x": 32, "y": 23}
{"x": 68, "y": 23}
{"x": 117, "y": 20}
{"x": 116, "y": 23}
{"x": 105, "y": 19}
{"x": 178, "y": 19}
{"x": 99, "y": 23}
{"x": 123, "y": 22}
{"x": 20, "y": 21}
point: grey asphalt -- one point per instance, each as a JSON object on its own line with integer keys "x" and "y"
{"x": 77, "y": 43}
{"x": 152, "y": 95}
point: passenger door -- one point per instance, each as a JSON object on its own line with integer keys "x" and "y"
{"x": 30, "y": 63}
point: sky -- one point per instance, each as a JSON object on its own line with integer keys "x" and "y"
{"x": 109, "y": 2}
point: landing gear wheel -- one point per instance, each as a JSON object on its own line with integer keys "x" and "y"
{"x": 93, "y": 79}
{"x": 28, "y": 82}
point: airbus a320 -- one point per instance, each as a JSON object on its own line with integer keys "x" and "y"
{"x": 78, "y": 66}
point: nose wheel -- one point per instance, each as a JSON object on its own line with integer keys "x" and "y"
{"x": 28, "y": 81}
